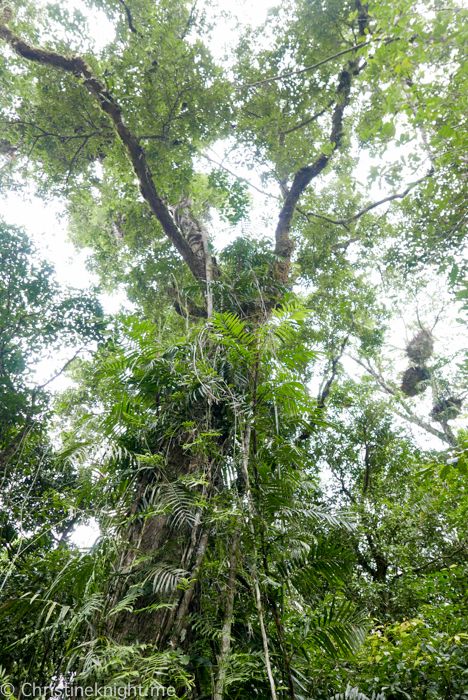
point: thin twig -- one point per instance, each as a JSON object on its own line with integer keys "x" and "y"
{"x": 311, "y": 119}
{"x": 240, "y": 177}
{"x": 290, "y": 74}
{"x": 61, "y": 371}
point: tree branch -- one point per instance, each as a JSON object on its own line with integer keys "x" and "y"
{"x": 374, "y": 205}
{"x": 406, "y": 413}
{"x": 325, "y": 391}
{"x": 304, "y": 176}
{"x": 304, "y": 123}
{"x": 363, "y": 563}
{"x": 59, "y": 373}
{"x": 129, "y": 16}
{"x": 78, "y": 67}
{"x": 290, "y": 74}
{"x": 270, "y": 195}
{"x": 225, "y": 646}
{"x": 440, "y": 561}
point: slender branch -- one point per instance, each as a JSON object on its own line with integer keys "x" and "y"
{"x": 270, "y": 195}
{"x": 256, "y": 586}
{"x": 441, "y": 561}
{"x": 367, "y": 468}
{"x": 78, "y": 67}
{"x": 389, "y": 389}
{"x": 190, "y": 20}
{"x": 322, "y": 217}
{"x": 14, "y": 444}
{"x": 374, "y": 205}
{"x": 64, "y": 138}
{"x": 182, "y": 610}
{"x": 343, "y": 488}
{"x": 75, "y": 157}
{"x": 325, "y": 391}
{"x": 59, "y": 373}
{"x": 406, "y": 413}
{"x": 301, "y": 71}
{"x": 311, "y": 119}
{"x": 290, "y": 74}
{"x": 218, "y": 691}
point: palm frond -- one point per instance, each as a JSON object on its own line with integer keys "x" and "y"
{"x": 352, "y": 693}
{"x": 339, "y": 630}
{"x": 165, "y": 578}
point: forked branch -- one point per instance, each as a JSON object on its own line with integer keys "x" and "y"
{"x": 373, "y": 205}
{"x": 77, "y": 66}
{"x": 304, "y": 176}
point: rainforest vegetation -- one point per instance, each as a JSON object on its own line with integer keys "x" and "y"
{"x": 268, "y": 436}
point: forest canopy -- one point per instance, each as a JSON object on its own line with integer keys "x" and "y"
{"x": 268, "y": 436}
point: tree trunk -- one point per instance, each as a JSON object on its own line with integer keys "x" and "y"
{"x": 223, "y": 658}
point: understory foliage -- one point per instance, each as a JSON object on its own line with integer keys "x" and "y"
{"x": 276, "y": 476}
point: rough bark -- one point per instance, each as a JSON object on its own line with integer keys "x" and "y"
{"x": 181, "y": 549}
{"x": 223, "y": 657}
{"x": 254, "y": 572}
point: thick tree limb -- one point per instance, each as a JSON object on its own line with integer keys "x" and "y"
{"x": 78, "y": 67}
{"x": 304, "y": 176}
{"x": 363, "y": 563}
{"x": 129, "y": 16}
{"x": 379, "y": 559}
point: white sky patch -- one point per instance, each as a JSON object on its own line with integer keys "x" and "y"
{"x": 84, "y": 536}
{"x": 46, "y": 224}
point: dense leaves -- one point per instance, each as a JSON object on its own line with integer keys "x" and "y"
{"x": 277, "y": 475}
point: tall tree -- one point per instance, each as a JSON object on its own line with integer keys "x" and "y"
{"x": 37, "y": 496}
{"x": 210, "y": 473}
